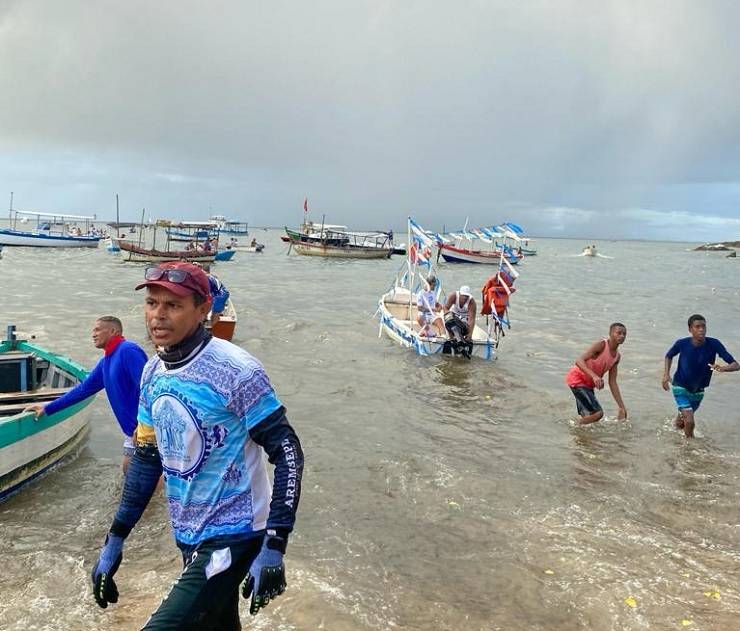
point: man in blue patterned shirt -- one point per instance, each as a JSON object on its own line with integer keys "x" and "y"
{"x": 207, "y": 417}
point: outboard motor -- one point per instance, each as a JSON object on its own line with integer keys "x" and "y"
{"x": 457, "y": 329}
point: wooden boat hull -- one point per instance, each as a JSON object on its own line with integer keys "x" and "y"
{"x": 226, "y": 325}
{"x": 135, "y": 254}
{"x": 31, "y": 239}
{"x": 31, "y": 447}
{"x": 397, "y": 313}
{"x": 452, "y": 254}
{"x": 307, "y": 248}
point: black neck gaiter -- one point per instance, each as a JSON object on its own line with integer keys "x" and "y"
{"x": 184, "y": 351}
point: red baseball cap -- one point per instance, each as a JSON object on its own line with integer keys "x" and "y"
{"x": 194, "y": 280}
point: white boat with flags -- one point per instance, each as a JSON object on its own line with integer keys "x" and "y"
{"x": 398, "y": 311}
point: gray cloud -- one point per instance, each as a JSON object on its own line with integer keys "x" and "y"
{"x": 375, "y": 109}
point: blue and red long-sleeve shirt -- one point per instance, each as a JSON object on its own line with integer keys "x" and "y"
{"x": 119, "y": 372}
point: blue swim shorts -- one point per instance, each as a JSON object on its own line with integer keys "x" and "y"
{"x": 685, "y": 399}
{"x": 586, "y": 401}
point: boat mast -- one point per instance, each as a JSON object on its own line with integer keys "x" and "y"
{"x": 10, "y": 210}
{"x": 118, "y": 220}
{"x": 141, "y": 229}
{"x": 410, "y": 270}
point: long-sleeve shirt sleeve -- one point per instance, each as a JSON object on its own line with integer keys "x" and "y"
{"x": 277, "y": 437}
{"x": 93, "y": 384}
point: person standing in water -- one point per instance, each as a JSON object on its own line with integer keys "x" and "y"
{"x": 209, "y": 418}
{"x": 696, "y": 361}
{"x": 118, "y": 372}
{"x": 588, "y": 375}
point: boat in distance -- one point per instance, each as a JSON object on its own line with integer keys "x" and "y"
{"x": 30, "y": 447}
{"x": 136, "y": 254}
{"x": 48, "y": 233}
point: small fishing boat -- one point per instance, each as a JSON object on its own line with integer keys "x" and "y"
{"x": 111, "y": 244}
{"x": 137, "y": 254}
{"x": 29, "y": 446}
{"x": 225, "y": 255}
{"x": 224, "y": 327}
{"x": 337, "y": 242}
{"x": 233, "y": 228}
{"x": 397, "y": 308}
{"x": 53, "y": 230}
{"x": 589, "y": 250}
{"x": 253, "y": 247}
{"x": 484, "y": 246}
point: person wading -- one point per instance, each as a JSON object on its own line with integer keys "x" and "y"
{"x": 118, "y": 371}
{"x": 207, "y": 417}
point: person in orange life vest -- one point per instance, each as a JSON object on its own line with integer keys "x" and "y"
{"x": 588, "y": 374}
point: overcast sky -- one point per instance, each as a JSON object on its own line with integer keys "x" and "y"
{"x": 594, "y": 119}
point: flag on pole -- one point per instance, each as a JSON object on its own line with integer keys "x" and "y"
{"x": 305, "y": 204}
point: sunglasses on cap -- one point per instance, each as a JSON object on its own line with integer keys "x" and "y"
{"x": 173, "y": 275}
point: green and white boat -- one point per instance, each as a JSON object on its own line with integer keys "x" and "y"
{"x": 30, "y": 447}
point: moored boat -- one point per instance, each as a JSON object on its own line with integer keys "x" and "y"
{"x": 137, "y": 254}
{"x": 454, "y": 254}
{"x": 226, "y": 323}
{"x": 308, "y": 248}
{"x": 334, "y": 241}
{"x": 225, "y": 255}
{"x": 28, "y": 446}
{"x": 53, "y": 230}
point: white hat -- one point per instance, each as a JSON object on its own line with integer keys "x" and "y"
{"x": 465, "y": 291}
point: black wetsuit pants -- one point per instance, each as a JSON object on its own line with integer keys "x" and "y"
{"x": 197, "y": 602}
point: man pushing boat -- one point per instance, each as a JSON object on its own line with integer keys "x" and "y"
{"x": 207, "y": 417}
{"x": 118, "y": 372}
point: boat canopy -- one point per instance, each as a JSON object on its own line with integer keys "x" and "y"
{"x": 36, "y": 213}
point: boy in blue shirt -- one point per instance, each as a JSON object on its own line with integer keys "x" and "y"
{"x": 696, "y": 361}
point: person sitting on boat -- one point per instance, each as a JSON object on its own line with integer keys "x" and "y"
{"x": 219, "y": 295}
{"x": 207, "y": 245}
{"x": 460, "y": 312}
{"x": 254, "y": 242}
{"x": 429, "y": 310}
{"x": 118, "y": 372}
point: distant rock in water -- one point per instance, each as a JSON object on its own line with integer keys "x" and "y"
{"x": 718, "y": 247}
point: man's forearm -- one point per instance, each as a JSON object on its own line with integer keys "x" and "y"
{"x": 142, "y": 477}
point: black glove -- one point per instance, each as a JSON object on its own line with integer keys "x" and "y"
{"x": 266, "y": 577}
{"x": 104, "y": 587}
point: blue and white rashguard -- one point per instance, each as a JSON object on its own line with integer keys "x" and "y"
{"x": 216, "y": 486}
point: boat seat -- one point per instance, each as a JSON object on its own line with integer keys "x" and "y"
{"x": 42, "y": 394}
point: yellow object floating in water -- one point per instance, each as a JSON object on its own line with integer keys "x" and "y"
{"x": 686, "y": 574}
{"x": 630, "y": 602}
{"x": 713, "y": 593}
{"x": 549, "y": 572}
{"x": 686, "y": 623}
{"x": 453, "y": 504}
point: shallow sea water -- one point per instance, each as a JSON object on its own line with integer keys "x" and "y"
{"x": 438, "y": 493}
